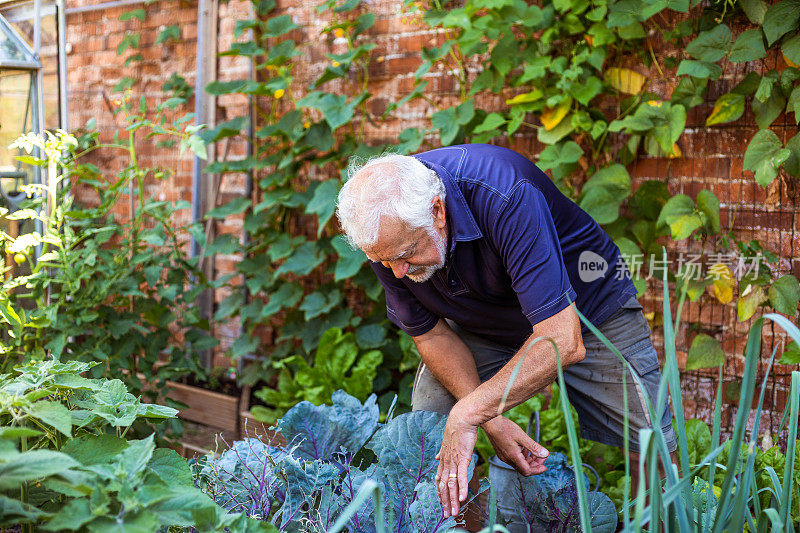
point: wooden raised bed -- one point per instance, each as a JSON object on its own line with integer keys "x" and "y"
{"x": 209, "y": 408}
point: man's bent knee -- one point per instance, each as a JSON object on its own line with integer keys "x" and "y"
{"x": 430, "y": 395}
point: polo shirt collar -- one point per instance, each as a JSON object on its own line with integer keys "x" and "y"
{"x": 461, "y": 223}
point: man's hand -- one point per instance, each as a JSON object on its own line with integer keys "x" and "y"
{"x": 513, "y": 446}
{"x": 458, "y": 443}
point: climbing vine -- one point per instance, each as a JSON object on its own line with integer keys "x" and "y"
{"x": 576, "y": 74}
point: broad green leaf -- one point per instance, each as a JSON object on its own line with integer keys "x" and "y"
{"x": 749, "y": 300}
{"x": 303, "y": 260}
{"x": 171, "y": 468}
{"x": 350, "y": 260}
{"x": 323, "y": 203}
{"x": 319, "y": 302}
{"x": 287, "y": 295}
{"x": 32, "y": 465}
{"x": 784, "y": 294}
{"x": 135, "y": 457}
{"x": 792, "y": 354}
{"x": 792, "y": 164}
{"x": 749, "y": 46}
{"x": 699, "y": 69}
{"x": 767, "y": 112}
{"x": 133, "y": 14}
{"x": 53, "y": 414}
{"x": 764, "y": 155}
{"x": 727, "y": 108}
{"x": 680, "y": 215}
{"x": 491, "y": 122}
{"x": 708, "y": 205}
{"x": 705, "y": 352}
{"x": 781, "y": 18}
{"x": 169, "y": 33}
{"x": 625, "y": 80}
{"x": 711, "y": 45}
{"x": 563, "y": 129}
{"x": 234, "y": 207}
{"x": 13, "y": 433}
{"x": 791, "y": 49}
{"x": 445, "y": 121}
{"x": 755, "y": 10}
{"x": 71, "y": 517}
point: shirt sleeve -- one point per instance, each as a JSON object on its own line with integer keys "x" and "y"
{"x": 402, "y": 307}
{"x": 525, "y": 236}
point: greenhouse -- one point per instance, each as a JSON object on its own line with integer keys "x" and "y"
{"x": 399, "y": 266}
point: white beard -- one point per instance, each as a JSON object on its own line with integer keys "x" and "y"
{"x": 423, "y": 274}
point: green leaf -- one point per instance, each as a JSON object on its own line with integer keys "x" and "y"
{"x": 71, "y": 517}
{"x": 350, "y": 260}
{"x": 784, "y": 294}
{"x": 749, "y": 46}
{"x": 130, "y": 40}
{"x": 318, "y": 303}
{"x": 705, "y": 352}
{"x": 171, "y": 468}
{"x": 711, "y": 45}
{"x": 277, "y": 26}
{"x": 699, "y": 69}
{"x": 708, "y": 205}
{"x": 680, "y": 215}
{"x": 767, "y": 112}
{"x": 53, "y": 414}
{"x": 32, "y": 465}
{"x": 792, "y": 354}
{"x": 169, "y": 33}
{"x": 749, "y": 300}
{"x": 791, "y": 49}
{"x": 445, "y": 121}
{"x": 764, "y": 156}
{"x": 303, "y": 260}
{"x": 323, "y": 202}
{"x": 792, "y": 164}
{"x": 781, "y": 18}
{"x": 13, "y": 433}
{"x": 727, "y": 108}
{"x": 755, "y": 10}
{"x": 234, "y": 207}
{"x": 133, "y": 14}
{"x": 604, "y": 192}
{"x": 491, "y": 122}
{"x": 563, "y": 129}
{"x": 335, "y": 108}
{"x": 223, "y": 245}
{"x": 135, "y": 457}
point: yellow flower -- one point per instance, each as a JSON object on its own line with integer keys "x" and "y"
{"x": 338, "y": 32}
{"x": 270, "y": 67}
{"x": 654, "y": 103}
{"x": 306, "y": 124}
{"x": 279, "y": 93}
{"x": 380, "y": 59}
{"x": 335, "y": 64}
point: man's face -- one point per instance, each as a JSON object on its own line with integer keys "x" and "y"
{"x": 417, "y": 253}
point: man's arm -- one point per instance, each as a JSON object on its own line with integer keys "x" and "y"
{"x": 538, "y": 370}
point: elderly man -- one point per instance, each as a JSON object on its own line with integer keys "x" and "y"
{"x": 479, "y": 254}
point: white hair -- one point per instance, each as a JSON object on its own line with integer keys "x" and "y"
{"x": 399, "y": 187}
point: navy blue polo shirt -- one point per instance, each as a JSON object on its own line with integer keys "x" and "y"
{"x": 518, "y": 252}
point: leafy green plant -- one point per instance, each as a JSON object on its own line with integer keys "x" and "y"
{"x": 65, "y": 464}
{"x": 98, "y": 289}
{"x": 338, "y": 363}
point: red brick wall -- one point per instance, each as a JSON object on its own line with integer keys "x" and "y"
{"x": 712, "y": 158}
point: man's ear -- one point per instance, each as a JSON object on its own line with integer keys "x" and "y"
{"x": 439, "y": 213}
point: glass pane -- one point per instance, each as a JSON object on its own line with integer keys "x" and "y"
{"x": 15, "y": 118}
{"x": 10, "y": 49}
{"x": 49, "y": 58}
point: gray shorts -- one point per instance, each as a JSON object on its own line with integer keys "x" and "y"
{"x": 594, "y": 386}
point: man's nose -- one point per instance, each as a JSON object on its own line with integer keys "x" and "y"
{"x": 399, "y": 268}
